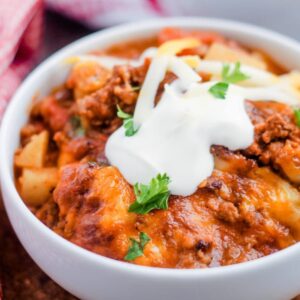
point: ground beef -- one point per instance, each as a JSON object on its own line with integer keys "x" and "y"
{"x": 121, "y": 89}
{"x": 53, "y": 113}
{"x": 277, "y": 138}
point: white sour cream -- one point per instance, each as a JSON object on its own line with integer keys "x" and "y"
{"x": 177, "y": 135}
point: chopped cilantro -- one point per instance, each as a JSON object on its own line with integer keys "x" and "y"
{"x": 135, "y": 88}
{"x": 127, "y": 122}
{"x": 77, "y": 126}
{"x": 219, "y": 90}
{"x": 234, "y": 75}
{"x": 297, "y": 116}
{"x": 152, "y": 196}
{"x": 137, "y": 247}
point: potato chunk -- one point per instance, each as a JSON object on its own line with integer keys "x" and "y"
{"x": 87, "y": 77}
{"x": 33, "y": 154}
{"x": 282, "y": 200}
{"x": 36, "y": 185}
{"x": 224, "y": 53}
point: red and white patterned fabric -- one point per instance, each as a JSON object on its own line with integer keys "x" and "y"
{"x": 21, "y": 26}
{"x": 20, "y": 36}
{"x": 99, "y": 13}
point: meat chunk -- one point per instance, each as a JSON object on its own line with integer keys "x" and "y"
{"x": 87, "y": 77}
{"x": 93, "y": 207}
{"x": 53, "y": 114}
{"x": 90, "y": 148}
{"x": 99, "y": 108}
{"x": 277, "y": 138}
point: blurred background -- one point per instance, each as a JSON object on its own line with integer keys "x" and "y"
{"x": 89, "y": 15}
{"x": 31, "y": 30}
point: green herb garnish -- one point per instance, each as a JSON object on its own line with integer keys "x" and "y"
{"x": 127, "y": 122}
{"x": 77, "y": 126}
{"x": 219, "y": 90}
{"x": 297, "y": 116}
{"x": 152, "y": 196}
{"x": 234, "y": 75}
{"x": 137, "y": 247}
{"x": 135, "y": 88}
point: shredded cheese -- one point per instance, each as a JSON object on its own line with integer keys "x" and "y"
{"x": 175, "y": 46}
{"x": 258, "y": 77}
{"x": 145, "y": 102}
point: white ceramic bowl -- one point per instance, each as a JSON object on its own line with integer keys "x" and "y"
{"x": 91, "y": 276}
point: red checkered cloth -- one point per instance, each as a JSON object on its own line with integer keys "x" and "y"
{"x": 21, "y": 29}
{"x": 20, "y": 36}
{"x": 99, "y": 13}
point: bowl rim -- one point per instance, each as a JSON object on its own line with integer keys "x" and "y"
{"x": 6, "y": 169}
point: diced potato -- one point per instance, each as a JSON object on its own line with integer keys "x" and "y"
{"x": 283, "y": 201}
{"x": 36, "y": 185}
{"x": 34, "y": 153}
{"x": 288, "y": 161}
{"x": 292, "y": 80}
{"x": 224, "y": 53}
{"x": 87, "y": 77}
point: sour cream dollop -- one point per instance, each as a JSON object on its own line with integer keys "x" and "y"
{"x": 177, "y": 135}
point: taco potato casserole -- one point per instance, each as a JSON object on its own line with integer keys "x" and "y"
{"x": 179, "y": 151}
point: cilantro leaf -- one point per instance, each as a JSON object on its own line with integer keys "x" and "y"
{"x": 129, "y": 127}
{"x": 297, "y": 116}
{"x": 135, "y": 88}
{"x": 144, "y": 239}
{"x": 219, "y": 90}
{"x": 152, "y": 196}
{"x": 137, "y": 247}
{"x": 122, "y": 115}
{"x": 77, "y": 126}
{"x": 234, "y": 75}
{"x": 134, "y": 251}
{"x": 127, "y": 122}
